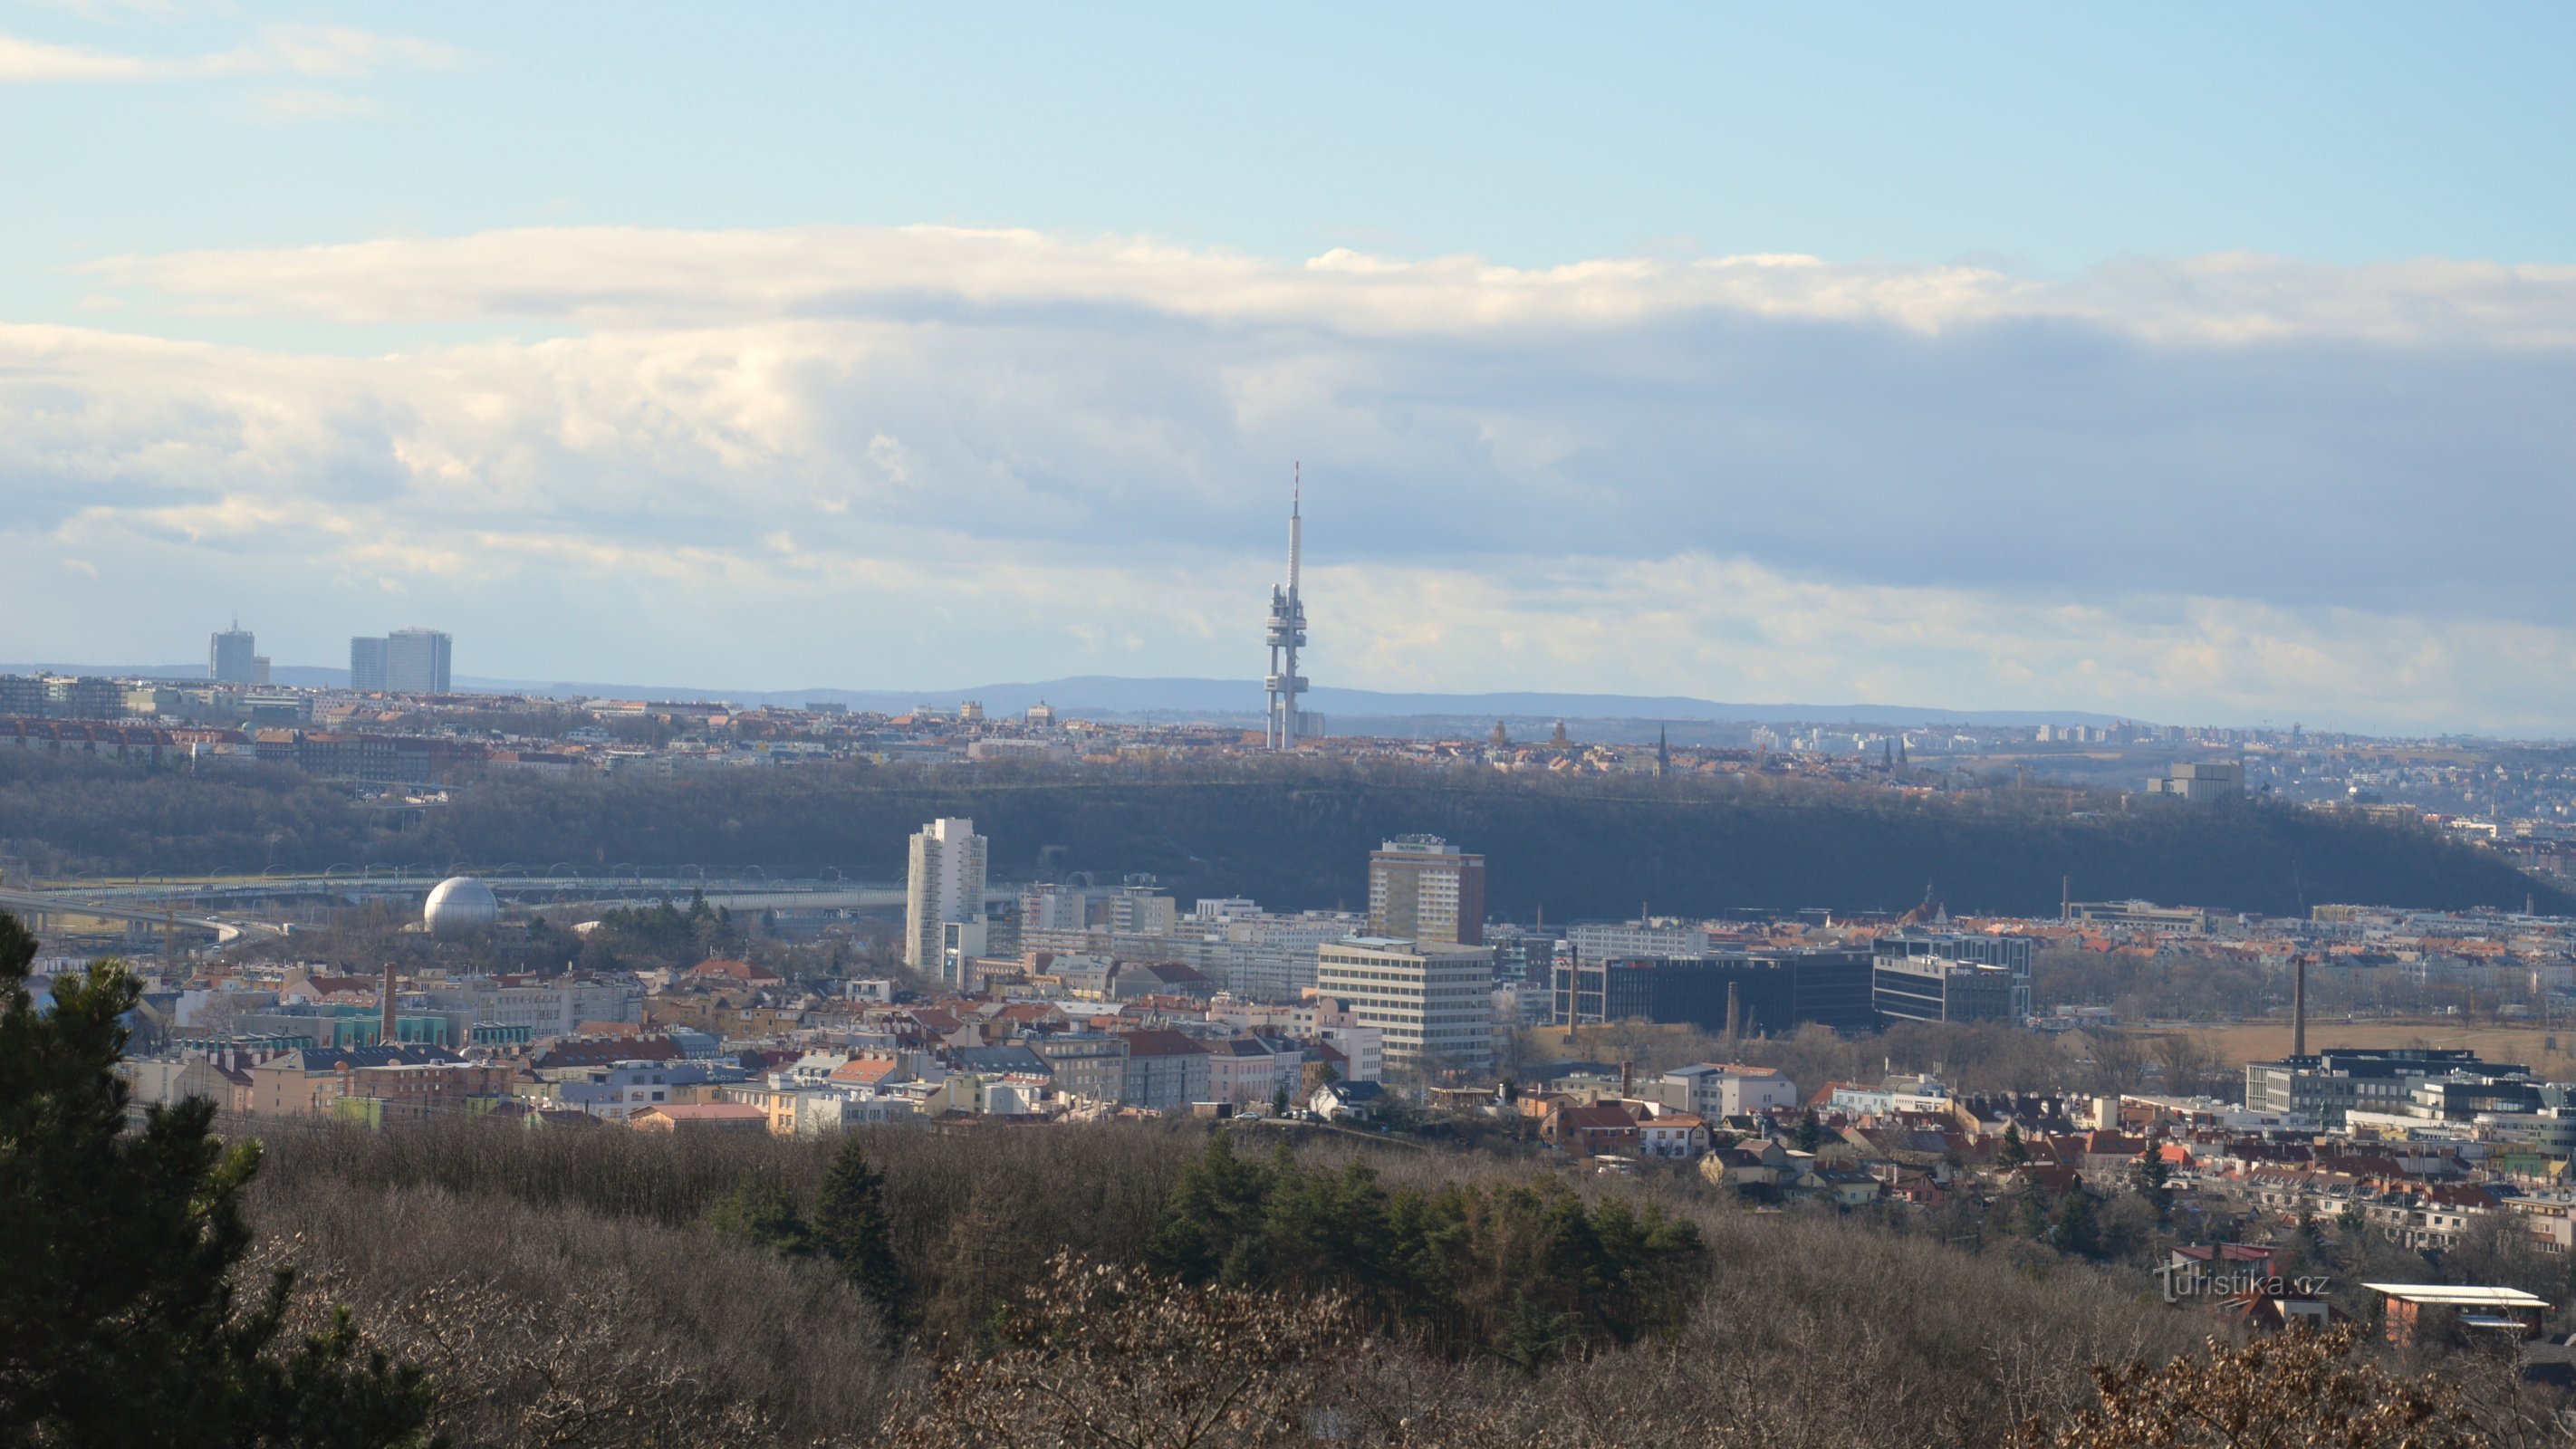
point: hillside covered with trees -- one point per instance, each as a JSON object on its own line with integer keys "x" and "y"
{"x": 1291, "y": 837}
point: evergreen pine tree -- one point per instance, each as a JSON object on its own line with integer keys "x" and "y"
{"x": 118, "y": 1317}
{"x": 764, "y": 1213}
{"x": 2154, "y": 1179}
{"x": 2030, "y": 1215}
{"x": 1811, "y": 1132}
{"x": 2079, "y": 1229}
{"x": 2012, "y": 1153}
{"x": 1532, "y": 1336}
{"x": 1213, "y": 1218}
{"x": 852, "y": 1228}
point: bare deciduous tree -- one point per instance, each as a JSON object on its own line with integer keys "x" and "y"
{"x": 1101, "y": 1357}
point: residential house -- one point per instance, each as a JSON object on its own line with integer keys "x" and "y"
{"x": 1590, "y": 1131}
{"x": 1341, "y": 1101}
{"x": 1248, "y": 1070}
{"x": 1166, "y": 1071}
{"x": 1673, "y": 1136}
{"x": 700, "y": 1117}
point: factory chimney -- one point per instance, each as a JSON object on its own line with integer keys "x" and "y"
{"x": 386, "y": 1029}
{"x": 2299, "y": 1006}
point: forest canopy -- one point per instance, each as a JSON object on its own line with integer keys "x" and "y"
{"x": 1292, "y": 838}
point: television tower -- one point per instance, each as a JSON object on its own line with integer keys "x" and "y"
{"x": 1287, "y": 632}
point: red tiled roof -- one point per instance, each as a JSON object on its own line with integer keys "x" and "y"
{"x": 1153, "y": 1042}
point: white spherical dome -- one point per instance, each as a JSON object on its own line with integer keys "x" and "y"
{"x": 460, "y": 906}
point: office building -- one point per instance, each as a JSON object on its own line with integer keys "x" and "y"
{"x": 1432, "y": 1001}
{"x": 1774, "y": 992}
{"x": 945, "y": 886}
{"x": 1422, "y": 888}
{"x": 1662, "y": 938}
{"x": 1522, "y": 955}
{"x": 1272, "y": 957}
{"x": 1053, "y": 907}
{"x": 367, "y": 666}
{"x": 961, "y": 945}
{"x": 1143, "y": 910}
{"x": 1928, "y": 976}
{"x": 416, "y": 661}
{"x": 2202, "y": 780}
{"x": 2141, "y": 915}
{"x": 2331, "y": 1084}
{"x": 232, "y": 656}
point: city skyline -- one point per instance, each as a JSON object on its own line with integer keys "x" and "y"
{"x": 2111, "y": 397}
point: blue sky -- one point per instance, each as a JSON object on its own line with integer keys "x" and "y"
{"x": 2194, "y": 363}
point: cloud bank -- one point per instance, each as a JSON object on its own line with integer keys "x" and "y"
{"x": 2221, "y": 488}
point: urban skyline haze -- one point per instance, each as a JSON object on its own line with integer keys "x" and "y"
{"x": 2019, "y": 360}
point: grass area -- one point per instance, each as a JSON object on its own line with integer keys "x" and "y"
{"x": 2533, "y": 1046}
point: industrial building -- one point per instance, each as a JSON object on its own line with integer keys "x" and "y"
{"x": 1929, "y": 976}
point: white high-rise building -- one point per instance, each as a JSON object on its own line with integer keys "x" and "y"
{"x": 1433, "y": 1001}
{"x": 367, "y": 665}
{"x": 231, "y": 656}
{"x": 416, "y": 661}
{"x": 945, "y": 886}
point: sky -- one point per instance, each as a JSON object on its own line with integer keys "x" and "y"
{"x": 2196, "y": 364}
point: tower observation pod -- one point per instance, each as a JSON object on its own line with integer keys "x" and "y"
{"x": 1287, "y": 634}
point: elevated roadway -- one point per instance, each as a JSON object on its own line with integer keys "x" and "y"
{"x": 226, "y": 928}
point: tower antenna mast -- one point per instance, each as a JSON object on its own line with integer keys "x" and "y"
{"x": 1287, "y": 632}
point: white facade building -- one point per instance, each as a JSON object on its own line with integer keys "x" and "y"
{"x": 1364, "y": 1047}
{"x": 1719, "y": 1089}
{"x": 1433, "y": 1002}
{"x": 1053, "y": 908}
{"x": 1655, "y": 940}
{"x": 547, "y": 1008}
{"x": 1272, "y": 958}
{"x": 944, "y": 885}
{"x": 416, "y": 661}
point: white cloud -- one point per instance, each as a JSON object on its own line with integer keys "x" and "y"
{"x": 625, "y": 276}
{"x": 2223, "y": 488}
{"x": 313, "y": 51}
{"x": 35, "y": 60}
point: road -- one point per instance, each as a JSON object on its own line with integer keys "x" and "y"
{"x": 227, "y": 929}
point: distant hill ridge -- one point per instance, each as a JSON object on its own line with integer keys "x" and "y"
{"x": 1215, "y": 699}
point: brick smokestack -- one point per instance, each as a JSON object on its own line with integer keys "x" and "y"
{"x": 387, "y": 1029}
{"x": 2299, "y": 1006}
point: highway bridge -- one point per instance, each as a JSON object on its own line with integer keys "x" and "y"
{"x": 35, "y": 906}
